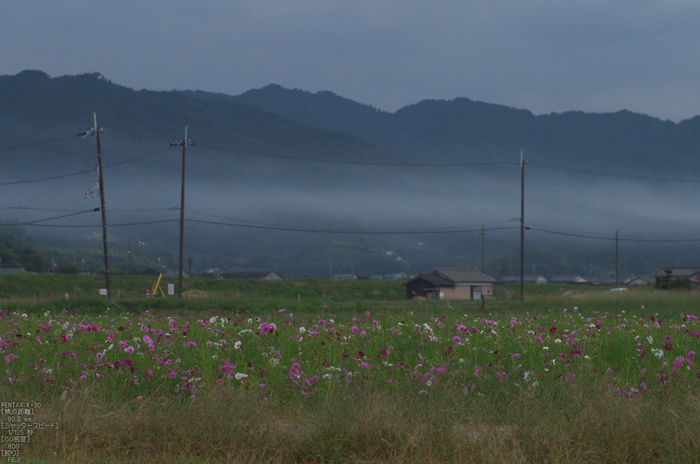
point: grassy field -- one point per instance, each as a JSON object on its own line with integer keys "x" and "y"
{"x": 273, "y": 372}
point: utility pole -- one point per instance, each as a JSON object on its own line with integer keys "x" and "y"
{"x": 522, "y": 226}
{"x": 483, "y": 250}
{"x": 617, "y": 262}
{"x": 128, "y": 256}
{"x": 184, "y": 144}
{"x": 96, "y": 131}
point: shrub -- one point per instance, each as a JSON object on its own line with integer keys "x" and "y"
{"x": 679, "y": 284}
{"x": 70, "y": 269}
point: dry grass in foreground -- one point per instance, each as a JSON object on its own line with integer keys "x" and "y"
{"x": 562, "y": 425}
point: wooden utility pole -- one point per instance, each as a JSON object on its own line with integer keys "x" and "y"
{"x": 483, "y": 250}
{"x": 522, "y": 226}
{"x": 617, "y": 262}
{"x": 96, "y": 131}
{"x": 184, "y": 144}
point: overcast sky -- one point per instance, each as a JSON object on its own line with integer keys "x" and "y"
{"x": 545, "y": 56}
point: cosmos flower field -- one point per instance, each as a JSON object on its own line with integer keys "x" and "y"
{"x": 141, "y": 356}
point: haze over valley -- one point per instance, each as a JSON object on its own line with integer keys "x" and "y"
{"x": 272, "y": 168}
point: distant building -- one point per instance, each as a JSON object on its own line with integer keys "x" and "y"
{"x": 691, "y": 274}
{"x": 12, "y": 270}
{"x": 604, "y": 281}
{"x": 569, "y": 280}
{"x": 344, "y": 277}
{"x": 640, "y": 281}
{"x": 528, "y": 279}
{"x": 251, "y": 275}
{"x": 677, "y": 272}
{"x": 451, "y": 283}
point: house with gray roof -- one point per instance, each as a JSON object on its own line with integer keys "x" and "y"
{"x": 677, "y": 272}
{"x": 640, "y": 281}
{"x": 451, "y": 283}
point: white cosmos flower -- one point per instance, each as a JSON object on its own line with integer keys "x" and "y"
{"x": 240, "y": 375}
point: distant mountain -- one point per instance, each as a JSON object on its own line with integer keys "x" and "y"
{"x": 466, "y": 129}
{"x": 240, "y": 185}
{"x": 322, "y": 109}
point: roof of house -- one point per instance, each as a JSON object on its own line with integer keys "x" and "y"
{"x": 449, "y": 277}
{"x": 463, "y": 275}
{"x": 677, "y": 271}
{"x": 434, "y": 279}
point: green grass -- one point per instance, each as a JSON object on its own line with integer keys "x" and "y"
{"x": 593, "y": 420}
{"x": 48, "y": 286}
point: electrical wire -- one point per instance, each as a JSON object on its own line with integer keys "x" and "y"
{"x": 36, "y": 144}
{"x": 121, "y": 163}
{"x": 78, "y": 226}
{"x": 29, "y": 223}
{"x": 621, "y": 239}
{"x": 616, "y": 175}
{"x": 332, "y": 161}
{"x": 347, "y": 232}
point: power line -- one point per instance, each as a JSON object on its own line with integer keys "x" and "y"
{"x": 606, "y": 174}
{"x": 89, "y": 226}
{"x": 29, "y": 223}
{"x": 335, "y": 161}
{"x": 131, "y": 160}
{"x": 598, "y": 237}
{"x": 35, "y": 144}
{"x": 138, "y": 158}
{"x": 46, "y": 178}
{"x": 281, "y": 225}
{"x": 39, "y": 209}
{"x": 349, "y": 232}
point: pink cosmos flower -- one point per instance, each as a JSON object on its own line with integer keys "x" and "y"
{"x": 354, "y": 329}
{"x": 129, "y": 349}
{"x": 364, "y": 365}
{"x": 363, "y": 334}
{"x": 456, "y": 340}
{"x": 94, "y": 328}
